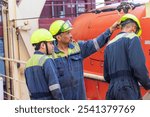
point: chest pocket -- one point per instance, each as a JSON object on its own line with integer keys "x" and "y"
{"x": 76, "y": 58}
{"x": 76, "y": 62}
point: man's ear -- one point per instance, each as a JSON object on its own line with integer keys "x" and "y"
{"x": 42, "y": 45}
{"x": 58, "y": 37}
{"x": 133, "y": 29}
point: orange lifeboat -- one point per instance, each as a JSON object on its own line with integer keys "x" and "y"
{"x": 90, "y": 25}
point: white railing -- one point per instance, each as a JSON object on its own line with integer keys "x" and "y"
{"x": 18, "y": 89}
{"x": 94, "y": 76}
{"x": 1, "y": 89}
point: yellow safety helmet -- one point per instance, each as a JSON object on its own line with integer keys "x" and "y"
{"x": 135, "y": 19}
{"x": 60, "y": 26}
{"x": 41, "y": 35}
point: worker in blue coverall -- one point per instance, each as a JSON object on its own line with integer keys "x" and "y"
{"x": 69, "y": 57}
{"x": 124, "y": 62}
{"x": 40, "y": 72}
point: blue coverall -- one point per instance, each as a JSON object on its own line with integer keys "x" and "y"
{"x": 41, "y": 78}
{"x": 70, "y": 68}
{"x": 124, "y": 67}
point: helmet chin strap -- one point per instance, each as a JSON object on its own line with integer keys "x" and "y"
{"x": 46, "y": 48}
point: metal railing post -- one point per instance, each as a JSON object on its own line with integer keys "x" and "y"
{"x": 53, "y": 11}
{"x": 1, "y": 89}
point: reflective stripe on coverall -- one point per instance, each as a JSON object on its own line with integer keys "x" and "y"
{"x": 70, "y": 68}
{"x": 124, "y": 67}
{"x": 41, "y": 78}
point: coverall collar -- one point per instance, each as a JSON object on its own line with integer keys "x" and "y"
{"x": 38, "y": 52}
{"x": 71, "y": 46}
{"x": 121, "y": 33}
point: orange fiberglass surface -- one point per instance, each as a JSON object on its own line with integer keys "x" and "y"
{"x": 90, "y": 25}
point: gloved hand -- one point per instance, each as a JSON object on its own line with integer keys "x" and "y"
{"x": 115, "y": 26}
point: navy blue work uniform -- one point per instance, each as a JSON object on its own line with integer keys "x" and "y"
{"x": 124, "y": 67}
{"x": 41, "y": 78}
{"x": 70, "y": 68}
